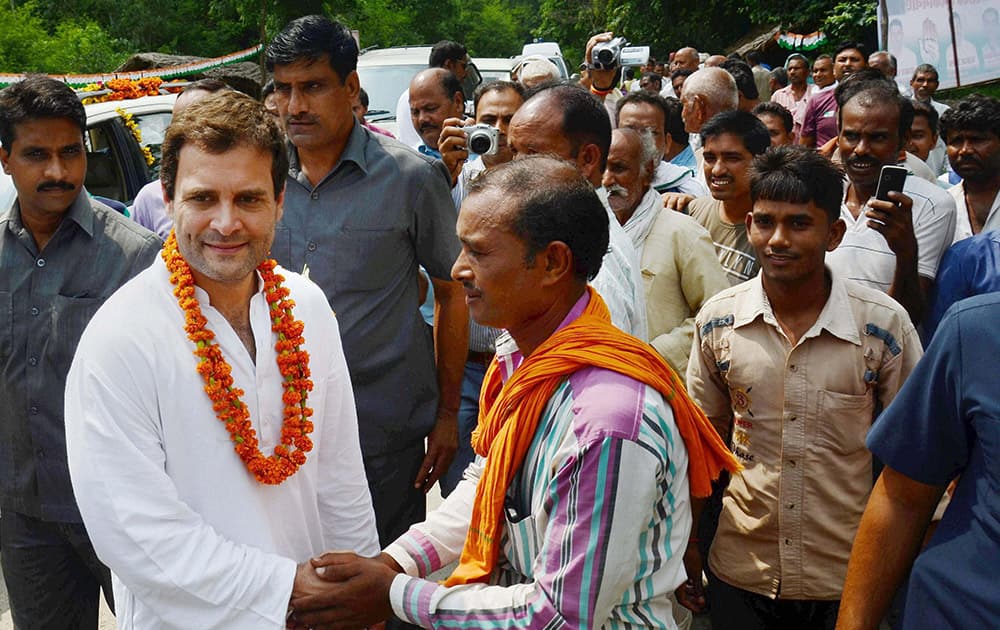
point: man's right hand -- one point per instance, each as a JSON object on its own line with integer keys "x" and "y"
{"x": 452, "y": 146}
{"x": 691, "y": 594}
{"x": 677, "y": 201}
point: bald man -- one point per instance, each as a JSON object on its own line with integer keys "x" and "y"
{"x": 435, "y": 96}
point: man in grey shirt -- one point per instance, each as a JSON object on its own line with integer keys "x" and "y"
{"x": 62, "y": 255}
{"x": 362, "y": 211}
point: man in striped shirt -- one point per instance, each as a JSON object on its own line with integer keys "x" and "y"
{"x": 577, "y": 512}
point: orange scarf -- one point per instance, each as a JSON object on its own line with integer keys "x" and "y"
{"x": 509, "y": 414}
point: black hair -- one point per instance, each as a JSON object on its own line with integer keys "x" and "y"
{"x": 873, "y": 87}
{"x": 450, "y": 84}
{"x": 652, "y": 76}
{"x": 775, "y": 109}
{"x": 309, "y": 38}
{"x": 495, "y": 86}
{"x": 796, "y": 174}
{"x": 753, "y": 57}
{"x": 974, "y": 112}
{"x": 675, "y": 122}
{"x": 445, "y": 51}
{"x": 642, "y": 96}
{"x": 858, "y": 46}
{"x": 683, "y": 72}
{"x": 554, "y": 203}
{"x": 744, "y": 77}
{"x": 585, "y": 121}
{"x": 37, "y": 96}
{"x": 745, "y": 125}
{"x": 267, "y": 90}
{"x": 921, "y": 108}
{"x": 363, "y": 97}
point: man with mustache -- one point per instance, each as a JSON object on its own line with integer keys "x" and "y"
{"x": 971, "y": 131}
{"x": 435, "y": 96}
{"x": 62, "y": 255}
{"x": 791, "y": 367}
{"x": 819, "y": 123}
{"x": 679, "y": 266}
{"x": 362, "y": 212}
{"x": 895, "y": 245}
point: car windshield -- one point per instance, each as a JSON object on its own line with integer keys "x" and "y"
{"x": 384, "y": 84}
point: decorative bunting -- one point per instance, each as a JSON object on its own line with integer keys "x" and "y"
{"x": 170, "y": 72}
{"x": 797, "y": 41}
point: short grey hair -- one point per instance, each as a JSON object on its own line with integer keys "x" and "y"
{"x": 649, "y": 155}
{"x": 716, "y": 86}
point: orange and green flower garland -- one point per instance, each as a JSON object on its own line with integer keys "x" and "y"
{"x": 293, "y": 362}
{"x": 133, "y": 127}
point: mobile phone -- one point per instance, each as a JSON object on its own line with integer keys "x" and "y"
{"x": 891, "y": 178}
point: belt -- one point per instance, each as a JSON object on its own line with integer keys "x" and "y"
{"x": 480, "y": 358}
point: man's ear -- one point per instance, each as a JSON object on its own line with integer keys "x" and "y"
{"x": 557, "y": 261}
{"x": 353, "y": 85}
{"x": 837, "y": 230}
{"x": 458, "y": 100}
{"x": 588, "y": 159}
{"x": 4, "y": 158}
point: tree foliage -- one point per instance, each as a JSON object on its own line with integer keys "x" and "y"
{"x": 96, "y": 35}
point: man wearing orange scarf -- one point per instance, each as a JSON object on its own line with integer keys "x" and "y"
{"x": 577, "y": 511}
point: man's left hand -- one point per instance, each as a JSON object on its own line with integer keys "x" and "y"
{"x": 357, "y": 597}
{"x": 893, "y": 219}
{"x": 442, "y": 444}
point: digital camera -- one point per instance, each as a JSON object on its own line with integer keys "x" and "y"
{"x": 482, "y": 139}
{"x": 607, "y": 55}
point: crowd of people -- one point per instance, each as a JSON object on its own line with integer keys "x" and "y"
{"x": 666, "y": 348}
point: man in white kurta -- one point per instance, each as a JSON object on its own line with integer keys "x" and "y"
{"x": 192, "y": 538}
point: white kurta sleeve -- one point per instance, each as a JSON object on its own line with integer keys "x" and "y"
{"x": 166, "y": 555}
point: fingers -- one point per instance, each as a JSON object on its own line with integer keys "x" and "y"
{"x": 425, "y": 470}
{"x": 676, "y": 201}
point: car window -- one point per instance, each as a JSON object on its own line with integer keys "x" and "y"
{"x": 384, "y": 84}
{"x": 154, "y": 128}
{"x": 104, "y": 172}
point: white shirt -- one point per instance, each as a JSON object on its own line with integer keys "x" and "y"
{"x": 864, "y": 254}
{"x": 192, "y": 539}
{"x": 669, "y": 175}
{"x": 963, "y": 227}
{"x": 620, "y": 279}
{"x": 405, "y": 131}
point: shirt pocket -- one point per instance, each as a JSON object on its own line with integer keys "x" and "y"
{"x": 6, "y": 324}
{"x": 844, "y": 421}
{"x": 368, "y": 259}
{"x": 70, "y": 316}
{"x": 520, "y": 542}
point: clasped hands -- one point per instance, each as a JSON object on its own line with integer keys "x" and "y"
{"x": 342, "y": 590}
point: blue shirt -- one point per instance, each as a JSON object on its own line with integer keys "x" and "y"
{"x": 686, "y": 158}
{"x": 970, "y": 267}
{"x": 945, "y": 422}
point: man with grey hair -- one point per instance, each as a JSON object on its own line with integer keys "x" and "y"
{"x": 684, "y": 59}
{"x": 707, "y": 92}
{"x": 883, "y": 61}
{"x": 680, "y": 267}
{"x": 537, "y": 70}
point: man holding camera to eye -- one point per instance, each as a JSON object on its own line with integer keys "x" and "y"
{"x": 484, "y": 140}
{"x": 605, "y": 70}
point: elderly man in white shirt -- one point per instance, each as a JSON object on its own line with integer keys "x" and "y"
{"x": 211, "y": 431}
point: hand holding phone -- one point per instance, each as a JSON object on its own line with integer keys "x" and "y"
{"x": 892, "y": 217}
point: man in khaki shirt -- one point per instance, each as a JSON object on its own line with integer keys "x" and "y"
{"x": 791, "y": 367}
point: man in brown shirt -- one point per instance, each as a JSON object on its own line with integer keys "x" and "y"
{"x": 792, "y": 367}
{"x": 731, "y": 140}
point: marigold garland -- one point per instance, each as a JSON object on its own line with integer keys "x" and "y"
{"x": 128, "y": 119}
{"x": 293, "y": 362}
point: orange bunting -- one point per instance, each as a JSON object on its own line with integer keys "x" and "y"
{"x": 293, "y": 362}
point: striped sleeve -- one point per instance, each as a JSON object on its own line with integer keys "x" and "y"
{"x": 599, "y": 504}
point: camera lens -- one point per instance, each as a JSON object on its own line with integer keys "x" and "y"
{"x": 479, "y": 143}
{"x": 605, "y": 57}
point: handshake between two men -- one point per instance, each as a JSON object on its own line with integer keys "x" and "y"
{"x": 342, "y": 590}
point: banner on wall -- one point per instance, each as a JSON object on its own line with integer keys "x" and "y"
{"x": 961, "y": 38}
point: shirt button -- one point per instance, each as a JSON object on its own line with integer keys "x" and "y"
{"x": 791, "y": 463}
{"x": 33, "y": 410}
{"x": 792, "y": 367}
{"x": 40, "y": 262}
{"x": 788, "y": 541}
{"x": 34, "y": 310}
{"x": 792, "y": 418}
{"x": 791, "y": 506}
{"x": 315, "y": 195}
{"x": 311, "y": 246}
{"x": 40, "y": 453}
{"x": 33, "y": 361}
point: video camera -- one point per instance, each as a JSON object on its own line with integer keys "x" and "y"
{"x": 617, "y": 53}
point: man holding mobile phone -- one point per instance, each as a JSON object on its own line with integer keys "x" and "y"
{"x": 894, "y": 244}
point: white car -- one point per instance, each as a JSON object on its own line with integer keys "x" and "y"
{"x": 116, "y": 165}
